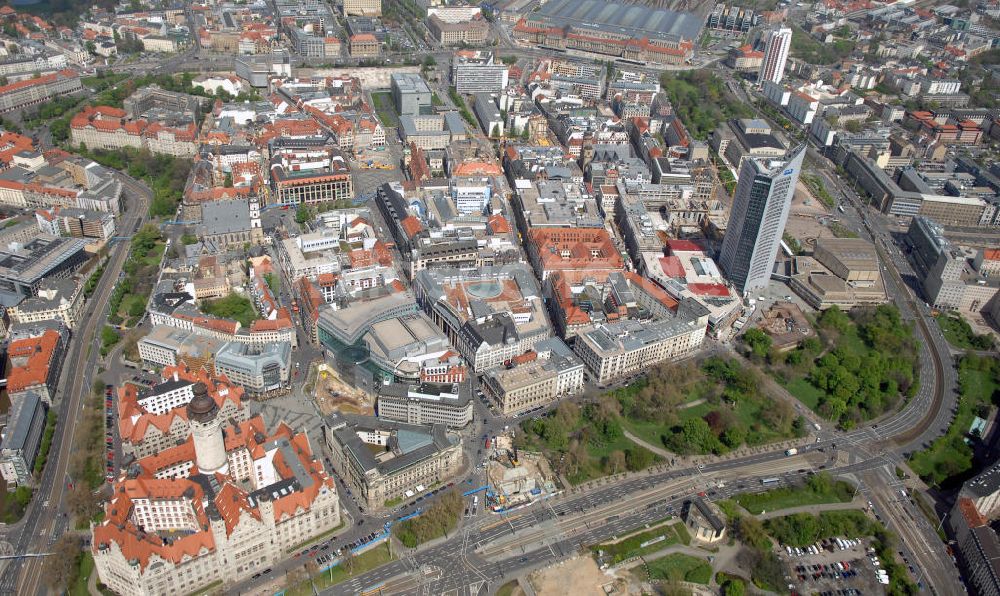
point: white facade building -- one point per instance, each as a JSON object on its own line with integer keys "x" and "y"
{"x": 779, "y": 42}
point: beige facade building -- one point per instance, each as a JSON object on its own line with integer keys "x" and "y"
{"x": 39, "y": 89}
{"x": 368, "y": 8}
{"x": 364, "y": 45}
{"x": 382, "y": 460}
{"x": 619, "y": 350}
{"x": 60, "y": 300}
{"x": 842, "y": 272}
{"x": 704, "y": 521}
{"x": 452, "y": 32}
{"x": 105, "y": 127}
{"x": 547, "y": 373}
{"x": 426, "y": 403}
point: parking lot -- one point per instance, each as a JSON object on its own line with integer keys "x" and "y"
{"x": 833, "y": 567}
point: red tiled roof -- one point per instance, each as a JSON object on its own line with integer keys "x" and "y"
{"x": 683, "y": 246}
{"x": 652, "y": 289}
{"x": 42, "y": 80}
{"x": 411, "y": 226}
{"x": 498, "y": 224}
{"x": 708, "y": 289}
{"x": 30, "y": 359}
{"x": 672, "y": 266}
{"x": 972, "y": 516}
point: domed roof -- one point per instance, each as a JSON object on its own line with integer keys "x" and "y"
{"x": 202, "y": 407}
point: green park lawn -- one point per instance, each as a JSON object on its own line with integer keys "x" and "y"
{"x": 672, "y": 533}
{"x": 680, "y": 567}
{"x": 783, "y": 498}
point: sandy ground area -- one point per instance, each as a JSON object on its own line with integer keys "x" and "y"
{"x": 577, "y": 576}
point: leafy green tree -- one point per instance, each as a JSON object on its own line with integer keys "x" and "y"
{"x": 637, "y": 458}
{"x": 733, "y": 587}
{"x": 757, "y": 342}
{"x": 302, "y": 214}
{"x": 751, "y": 531}
{"x": 62, "y": 566}
{"x": 615, "y": 462}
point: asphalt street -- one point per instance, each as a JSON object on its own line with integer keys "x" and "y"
{"x": 45, "y": 521}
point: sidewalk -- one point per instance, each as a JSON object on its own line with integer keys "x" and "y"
{"x": 657, "y": 450}
{"x": 855, "y": 504}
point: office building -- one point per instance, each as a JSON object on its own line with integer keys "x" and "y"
{"x": 477, "y": 72}
{"x": 34, "y": 365}
{"x": 576, "y": 252}
{"x": 490, "y": 314}
{"x": 368, "y": 8}
{"x": 169, "y": 346}
{"x": 945, "y": 270}
{"x": 615, "y": 351}
{"x": 22, "y": 438}
{"x": 535, "y": 379}
{"x": 76, "y": 223}
{"x": 258, "y": 69}
{"x": 426, "y": 403}
{"x": 488, "y": 113}
{"x": 972, "y": 522}
{"x": 410, "y": 94}
{"x": 263, "y": 371}
{"x": 382, "y": 460}
{"x": 19, "y": 94}
{"x": 23, "y": 267}
{"x": 776, "y": 48}
{"x": 760, "y": 209}
{"x": 58, "y": 299}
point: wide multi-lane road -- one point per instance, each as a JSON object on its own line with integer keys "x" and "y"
{"x": 490, "y": 552}
{"x": 44, "y": 521}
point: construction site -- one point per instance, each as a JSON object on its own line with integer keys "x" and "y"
{"x": 333, "y": 394}
{"x": 516, "y": 478}
{"x": 786, "y": 324}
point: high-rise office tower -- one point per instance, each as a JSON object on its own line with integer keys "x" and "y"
{"x": 779, "y": 41}
{"x": 757, "y": 220}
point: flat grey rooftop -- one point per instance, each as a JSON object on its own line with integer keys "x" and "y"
{"x": 641, "y": 20}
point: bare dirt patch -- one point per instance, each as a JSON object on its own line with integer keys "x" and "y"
{"x": 575, "y": 576}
